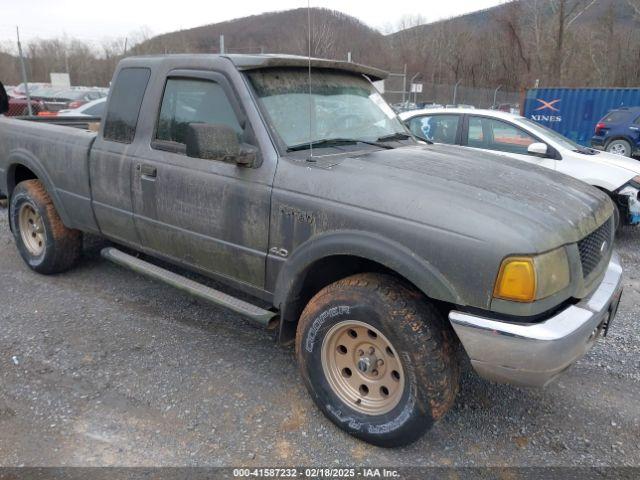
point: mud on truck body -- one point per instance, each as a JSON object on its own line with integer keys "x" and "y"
{"x": 382, "y": 256}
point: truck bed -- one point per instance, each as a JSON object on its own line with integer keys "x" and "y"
{"x": 91, "y": 124}
{"x": 59, "y": 156}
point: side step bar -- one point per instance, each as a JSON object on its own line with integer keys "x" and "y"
{"x": 265, "y": 318}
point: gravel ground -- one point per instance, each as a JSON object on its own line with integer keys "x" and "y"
{"x": 100, "y": 366}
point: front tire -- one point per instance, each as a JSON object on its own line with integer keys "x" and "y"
{"x": 44, "y": 242}
{"x": 377, "y": 359}
{"x": 619, "y": 147}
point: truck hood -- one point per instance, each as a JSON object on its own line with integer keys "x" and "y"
{"x": 476, "y": 194}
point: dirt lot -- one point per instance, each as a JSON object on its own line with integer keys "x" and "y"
{"x": 100, "y": 366}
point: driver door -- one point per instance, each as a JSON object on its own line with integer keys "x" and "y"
{"x": 207, "y": 214}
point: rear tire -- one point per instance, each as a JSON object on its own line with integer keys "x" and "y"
{"x": 377, "y": 359}
{"x": 619, "y": 147}
{"x": 43, "y": 241}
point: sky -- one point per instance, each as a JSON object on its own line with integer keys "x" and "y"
{"x": 96, "y": 21}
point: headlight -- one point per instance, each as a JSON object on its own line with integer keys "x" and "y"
{"x": 526, "y": 279}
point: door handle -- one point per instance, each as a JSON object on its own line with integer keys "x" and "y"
{"x": 634, "y": 128}
{"x": 148, "y": 170}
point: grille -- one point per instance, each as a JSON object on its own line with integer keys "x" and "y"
{"x": 591, "y": 247}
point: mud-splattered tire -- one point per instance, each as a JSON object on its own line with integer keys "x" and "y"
{"x": 395, "y": 328}
{"x": 43, "y": 241}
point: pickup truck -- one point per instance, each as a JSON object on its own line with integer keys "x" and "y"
{"x": 290, "y": 180}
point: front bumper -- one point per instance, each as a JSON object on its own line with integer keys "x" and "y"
{"x": 534, "y": 354}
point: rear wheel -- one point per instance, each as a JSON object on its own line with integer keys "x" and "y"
{"x": 619, "y": 147}
{"x": 43, "y": 241}
{"x": 377, "y": 359}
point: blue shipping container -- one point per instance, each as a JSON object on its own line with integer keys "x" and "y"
{"x": 574, "y": 112}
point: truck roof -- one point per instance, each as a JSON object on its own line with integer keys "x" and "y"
{"x": 258, "y": 61}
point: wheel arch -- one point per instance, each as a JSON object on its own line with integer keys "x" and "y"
{"x": 25, "y": 166}
{"x": 333, "y": 256}
{"x": 618, "y": 137}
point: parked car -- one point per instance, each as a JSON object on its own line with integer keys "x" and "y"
{"x": 618, "y": 132}
{"x": 94, "y": 108}
{"x": 20, "y": 107}
{"x": 368, "y": 246}
{"x": 519, "y": 138}
{"x": 71, "y": 98}
{"x": 422, "y": 105}
{"x": 403, "y": 106}
{"x": 20, "y": 91}
{"x": 507, "y": 107}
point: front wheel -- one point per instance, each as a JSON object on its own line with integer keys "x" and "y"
{"x": 619, "y": 147}
{"x": 377, "y": 359}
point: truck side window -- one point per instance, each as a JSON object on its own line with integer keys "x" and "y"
{"x": 188, "y": 101}
{"x": 124, "y": 104}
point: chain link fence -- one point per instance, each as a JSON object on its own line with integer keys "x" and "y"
{"x": 398, "y": 92}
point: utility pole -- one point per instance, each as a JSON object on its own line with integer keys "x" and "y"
{"x": 404, "y": 87}
{"x": 349, "y": 57}
{"x": 126, "y": 41}
{"x": 495, "y": 96}
{"x": 455, "y": 92}
{"x": 415, "y": 93}
{"x": 221, "y": 43}
{"x": 24, "y": 74}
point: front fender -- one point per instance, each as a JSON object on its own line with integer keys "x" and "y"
{"x": 366, "y": 245}
{"x": 22, "y": 157}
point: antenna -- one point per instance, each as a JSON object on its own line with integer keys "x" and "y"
{"x": 310, "y": 97}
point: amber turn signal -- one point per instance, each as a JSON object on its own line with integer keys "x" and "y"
{"x": 516, "y": 280}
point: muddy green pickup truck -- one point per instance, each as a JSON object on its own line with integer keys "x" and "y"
{"x": 385, "y": 258}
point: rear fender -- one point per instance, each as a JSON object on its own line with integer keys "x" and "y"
{"x": 22, "y": 157}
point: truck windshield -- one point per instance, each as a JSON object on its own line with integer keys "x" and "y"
{"x": 335, "y": 105}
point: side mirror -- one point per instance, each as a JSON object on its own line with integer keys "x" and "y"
{"x": 219, "y": 142}
{"x": 538, "y": 149}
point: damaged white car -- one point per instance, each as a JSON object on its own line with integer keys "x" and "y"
{"x": 522, "y": 139}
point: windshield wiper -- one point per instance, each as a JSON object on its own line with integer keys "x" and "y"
{"x": 401, "y": 136}
{"x": 332, "y": 142}
{"x": 394, "y": 136}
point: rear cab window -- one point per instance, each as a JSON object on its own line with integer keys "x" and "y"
{"x": 124, "y": 104}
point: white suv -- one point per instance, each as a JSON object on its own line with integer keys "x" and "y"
{"x": 519, "y": 138}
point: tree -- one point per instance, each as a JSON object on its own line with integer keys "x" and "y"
{"x": 566, "y": 12}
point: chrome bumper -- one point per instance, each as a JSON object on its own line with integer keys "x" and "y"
{"x": 534, "y": 354}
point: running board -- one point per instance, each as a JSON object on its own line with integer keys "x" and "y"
{"x": 265, "y": 318}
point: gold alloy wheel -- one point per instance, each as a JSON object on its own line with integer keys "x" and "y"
{"x": 31, "y": 229}
{"x": 362, "y": 367}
